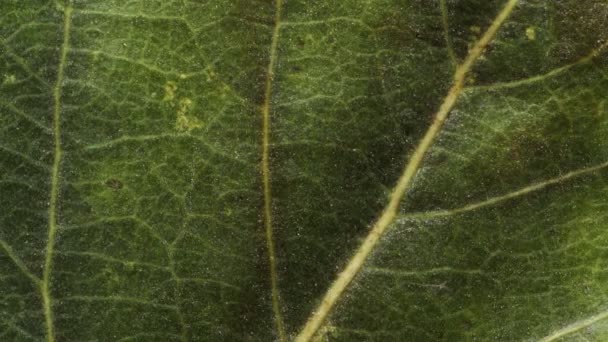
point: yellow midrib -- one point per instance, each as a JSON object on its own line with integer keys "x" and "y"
{"x": 55, "y": 178}
{"x": 389, "y": 213}
{"x": 266, "y": 129}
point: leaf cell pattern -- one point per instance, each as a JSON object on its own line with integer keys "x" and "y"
{"x": 207, "y": 170}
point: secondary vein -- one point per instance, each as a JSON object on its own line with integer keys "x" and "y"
{"x": 55, "y": 177}
{"x": 266, "y": 129}
{"x": 542, "y": 77}
{"x": 575, "y": 327}
{"x": 390, "y": 212}
{"x": 18, "y": 262}
{"x": 517, "y": 193}
{"x": 446, "y": 32}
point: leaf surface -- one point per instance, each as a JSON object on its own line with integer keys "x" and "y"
{"x": 206, "y": 171}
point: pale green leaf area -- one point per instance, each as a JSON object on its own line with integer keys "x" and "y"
{"x": 257, "y": 170}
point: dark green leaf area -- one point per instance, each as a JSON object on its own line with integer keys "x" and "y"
{"x": 147, "y": 117}
{"x": 344, "y": 122}
{"x": 498, "y": 273}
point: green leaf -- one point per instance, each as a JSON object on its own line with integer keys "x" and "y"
{"x": 383, "y": 170}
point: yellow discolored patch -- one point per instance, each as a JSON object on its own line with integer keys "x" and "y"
{"x": 228, "y": 212}
{"x": 184, "y": 106}
{"x": 170, "y": 89}
{"x": 9, "y": 79}
{"x": 209, "y": 74}
{"x": 475, "y": 29}
{"x": 184, "y": 122}
{"x": 225, "y": 90}
{"x": 531, "y": 33}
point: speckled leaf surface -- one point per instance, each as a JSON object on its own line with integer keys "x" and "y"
{"x": 185, "y": 170}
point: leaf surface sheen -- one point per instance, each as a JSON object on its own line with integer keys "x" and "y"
{"x": 135, "y": 203}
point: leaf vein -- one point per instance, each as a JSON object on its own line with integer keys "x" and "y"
{"x": 518, "y": 193}
{"x": 25, "y": 116}
{"x": 55, "y": 177}
{"x": 389, "y": 213}
{"x": 24, "y": 157}
{"x": 446, "y": 32}
{"x": 118, "y": 299}
{"x": 265, "y": 168}
{"x": 542, "y": 77}
{"x": 576, "y": 326}
{"x": 18, "y": 262}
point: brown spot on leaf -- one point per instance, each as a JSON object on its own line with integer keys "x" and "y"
{"x": 114, "y": 184}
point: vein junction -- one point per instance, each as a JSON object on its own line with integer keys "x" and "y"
{"x": 8, "y": 251}
{"x": 539, "y": 78}
{"x": 514, "y": 194}
{"x": 390, "y": 212}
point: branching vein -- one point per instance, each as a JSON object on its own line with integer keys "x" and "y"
{"x": 575, "y": 327}
{"x": 539, "y": 78}
{"x": 55, "y": 178}
{"x": 390, "y": 212}
{"x": 521, "y": 192}
{"x": 18, "y": 262}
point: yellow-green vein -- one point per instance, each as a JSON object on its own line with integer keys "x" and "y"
{"x": 18, "y": 262}
{"x": 498, "y": 199}
{"x": 390, "y": 212}
{"x": 575, "y": 327}
{"x": 542, "y": 77}
{"x": 55, "y": 178}
{"x": 266, "y": 109}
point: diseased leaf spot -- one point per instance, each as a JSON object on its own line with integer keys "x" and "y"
{"x": 114, "y": 184}
{"x": 165, "y": 230}
{"x": 531, "y": 33}
{"x": 186, "y": 123}
{"x": 170, "y": 89}
{"x": 209, "y": 74}
{"x": 184, "y": 106}
{"x": 9, "y": 79}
